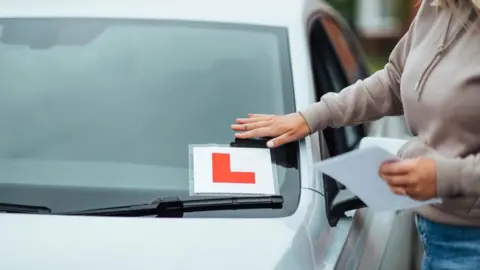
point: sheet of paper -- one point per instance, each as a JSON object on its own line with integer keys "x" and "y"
{"x": 391, "y": 145}
{"x": 233, "y": 170}
{"x": 358, "y": 171}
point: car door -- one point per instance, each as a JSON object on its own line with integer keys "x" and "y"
{"x": 337, "y": 62}
{"x": 353, "y": 61}
{"x": 373, "y": 239}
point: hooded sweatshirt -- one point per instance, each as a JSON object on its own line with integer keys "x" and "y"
{"x": 433, "y": 78}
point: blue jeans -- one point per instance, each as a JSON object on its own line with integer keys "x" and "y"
{"x": 449, "y": 247}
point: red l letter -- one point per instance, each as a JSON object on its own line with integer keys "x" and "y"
{"x": 221, "y": 171}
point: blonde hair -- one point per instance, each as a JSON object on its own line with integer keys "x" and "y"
{"x": 452, "y": 4}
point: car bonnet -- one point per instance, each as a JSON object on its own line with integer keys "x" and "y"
{"x": 72, "y": 242}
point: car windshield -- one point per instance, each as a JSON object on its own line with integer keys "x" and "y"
{"x": 101, "y": 112}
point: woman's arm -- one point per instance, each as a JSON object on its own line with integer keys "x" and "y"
{"x": 453, "y": 176}
{"x": 370, "y": 99}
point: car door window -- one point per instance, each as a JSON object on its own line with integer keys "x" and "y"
{"x": 331, "y": 74}
{"x": 352, "y": 65}
{"x": 346, "y": 48}
{"x": 351, "y": 59}
{"x": 340, "y": 46}
{"x": 336, "y": 64}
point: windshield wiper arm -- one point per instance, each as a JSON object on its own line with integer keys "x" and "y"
{"x": 175, "y": 207}
{"x": 23, "y": 208}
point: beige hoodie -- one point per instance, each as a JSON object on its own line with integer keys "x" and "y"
{"x": 433, "y": 78}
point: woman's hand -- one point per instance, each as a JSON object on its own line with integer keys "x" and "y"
{"x": 284, "y": 128}
{"x": 416, "y": 178}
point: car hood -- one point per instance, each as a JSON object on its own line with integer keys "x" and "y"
{"x": 68, "y": 242}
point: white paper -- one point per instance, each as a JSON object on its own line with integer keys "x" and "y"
{"x": 391, "y": 145}
{"x": 358, "y": 171}
{"x": 253, "y": 160}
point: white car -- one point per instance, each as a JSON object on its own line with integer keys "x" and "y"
{"x": 100, "y": 101}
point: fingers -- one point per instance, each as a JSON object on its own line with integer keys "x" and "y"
{"x": 399, "y": 184}
{"x": 256, "y": 115}
{"x": 398, "y": 167}
{"x": 281, "y": 140}
{"x": 256, "y": 125}
{"x": 410, "y": 192}
{"x": 252, "y": 120}
{"x": 396, "y": 183}
{"x": 397, "y": 180}
{"x": 250, "y": 126}
{"x": 259, "y": 132}
{"x": 399, "y": 191}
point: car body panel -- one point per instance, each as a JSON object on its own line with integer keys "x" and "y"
{"x": 288, "y": 13}
{"x": 59, "y": 242}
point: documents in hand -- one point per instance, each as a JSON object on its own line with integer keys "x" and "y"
{"x": 358, "y": 171}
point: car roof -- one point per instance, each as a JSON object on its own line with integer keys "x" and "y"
{"x": 263, "y": 12}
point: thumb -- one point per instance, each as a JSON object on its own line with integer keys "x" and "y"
{"x": 280, "y": 140}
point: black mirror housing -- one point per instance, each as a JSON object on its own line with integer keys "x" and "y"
{"x": 336, "y": 203}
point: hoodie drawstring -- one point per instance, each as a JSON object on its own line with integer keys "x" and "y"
{"x": 444, "y": 45}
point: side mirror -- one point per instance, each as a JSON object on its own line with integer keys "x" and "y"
{"x": 337, "y": 201}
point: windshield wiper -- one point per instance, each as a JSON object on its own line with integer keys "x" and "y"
{"x": 22, "y": 208}
{"x": 175, "y": 207}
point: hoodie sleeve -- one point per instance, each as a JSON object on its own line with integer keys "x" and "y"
{"x": 458, "y": 176}
{"x": 455, "y": 176}
{"x": 370, "y": 99}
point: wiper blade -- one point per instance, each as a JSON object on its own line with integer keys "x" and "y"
{"x": 175, "y": 207}
{"x": 22, "y": 208}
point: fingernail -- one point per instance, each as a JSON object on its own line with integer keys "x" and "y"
{"x": 269, "y": 144}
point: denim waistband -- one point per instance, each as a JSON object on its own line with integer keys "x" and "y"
{"x": 449, "y": 246}
{"x": 438, "y": 231}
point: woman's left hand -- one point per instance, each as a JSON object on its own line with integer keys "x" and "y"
{"x": 416, "y": 178}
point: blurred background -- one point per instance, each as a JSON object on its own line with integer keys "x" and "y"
{"x": 379, "y": 24}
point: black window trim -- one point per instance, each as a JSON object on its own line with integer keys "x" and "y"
{"x": 336, "y": 203}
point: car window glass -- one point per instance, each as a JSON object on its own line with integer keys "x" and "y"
{"x": 330, "y": 76}
{"x": 120, "y": 108}
{"x": 345, "y": 46}
{"x": 340, "y": 45}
